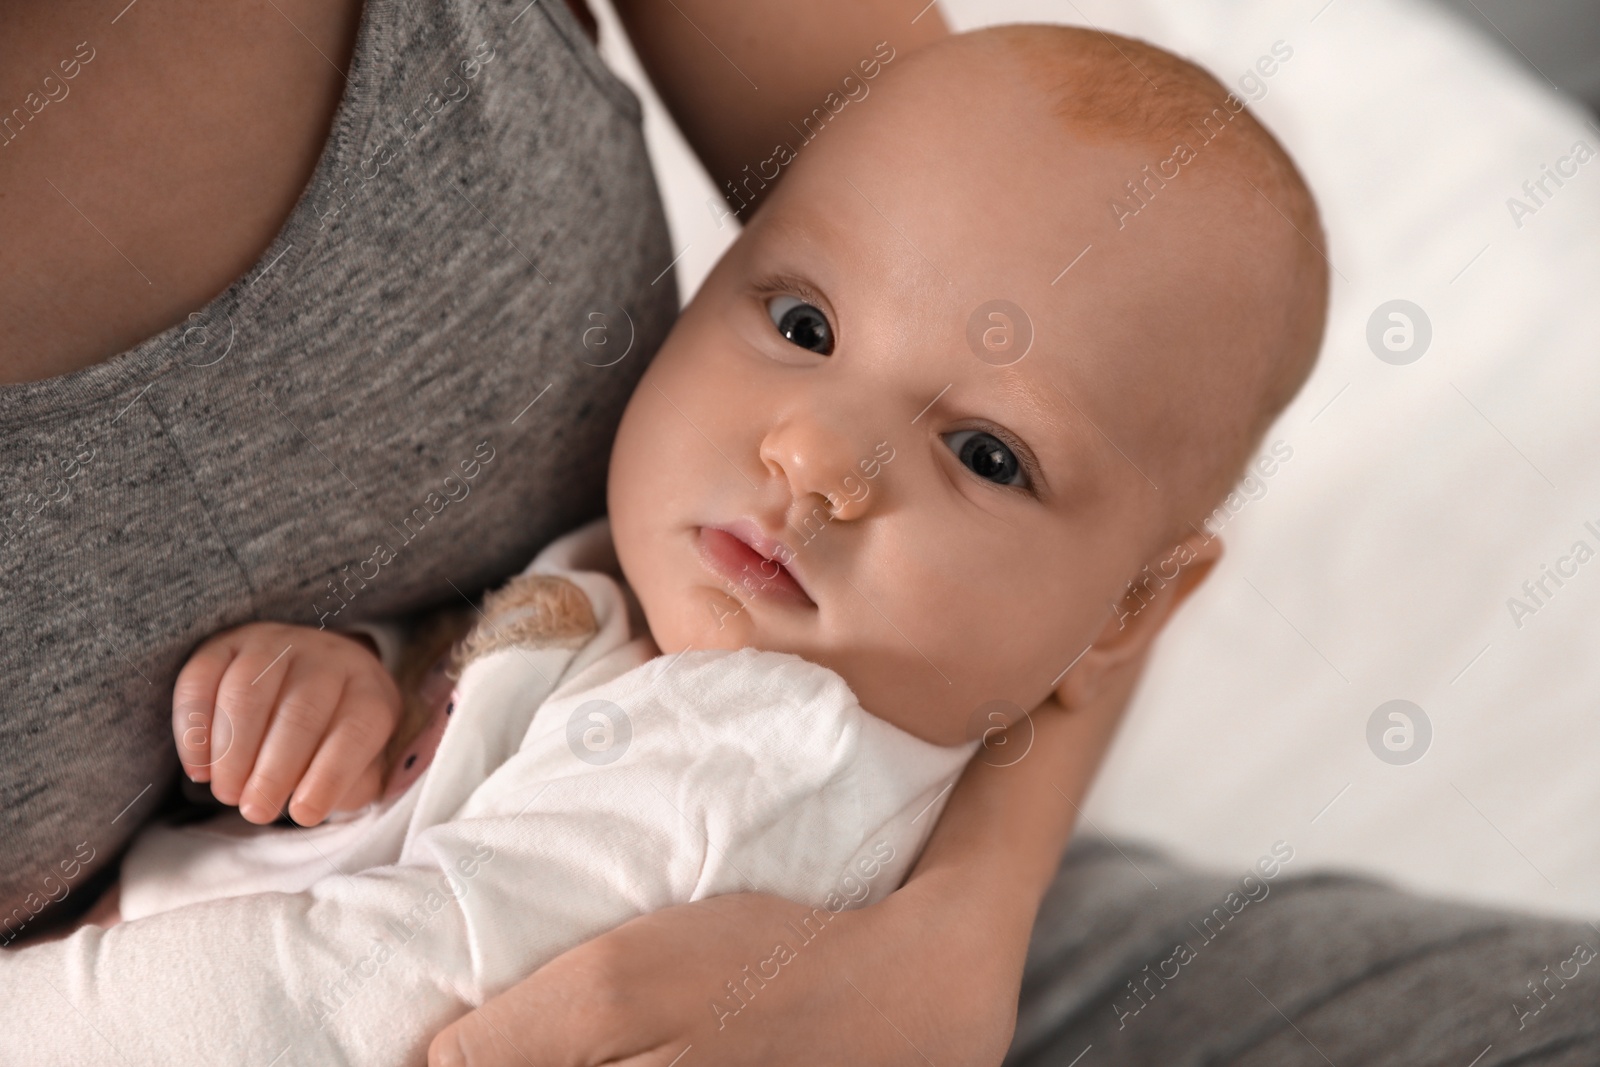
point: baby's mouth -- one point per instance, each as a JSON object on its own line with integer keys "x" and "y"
{"x": 732, "y": 557}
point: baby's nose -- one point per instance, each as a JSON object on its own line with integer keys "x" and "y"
{"x": 817, "y": 461}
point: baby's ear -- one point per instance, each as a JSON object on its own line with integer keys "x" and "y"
{"x": 1147, "y": 602}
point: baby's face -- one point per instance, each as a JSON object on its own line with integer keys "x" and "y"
{"x": 828, "y": 457}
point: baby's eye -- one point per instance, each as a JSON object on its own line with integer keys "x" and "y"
{"x": 987, "y": 456}
{"x": 801, "y": 324}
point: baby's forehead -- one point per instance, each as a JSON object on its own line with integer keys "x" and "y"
{"x": 1031, "y": 257}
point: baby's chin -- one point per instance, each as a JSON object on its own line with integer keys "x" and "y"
{"x": 923, "y": 710}
{"x": 700, "y": 618}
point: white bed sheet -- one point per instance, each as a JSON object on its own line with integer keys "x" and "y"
{"x": 1379, "y": 561}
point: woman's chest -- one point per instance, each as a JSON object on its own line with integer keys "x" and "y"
{"x": 147, "y": 158}
{"x": 413, "y": 389}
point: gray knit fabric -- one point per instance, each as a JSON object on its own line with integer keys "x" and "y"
{"x": 346, "y": 432}
{"x": 1139, "y": 961}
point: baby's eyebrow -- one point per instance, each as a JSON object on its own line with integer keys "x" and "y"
{"x": 802, "y": 223}
{"x": 1071, "y": 446}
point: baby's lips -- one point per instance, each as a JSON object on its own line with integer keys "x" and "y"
{"x": 739, "y": 554}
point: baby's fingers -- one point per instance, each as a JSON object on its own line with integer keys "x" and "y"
{"x": 305, "y": 706}
{"x": 367, "y": 788}
{"x": 245, "y": 699}
{"x": 194, "y": 702}
{"x": 348, "y": 770}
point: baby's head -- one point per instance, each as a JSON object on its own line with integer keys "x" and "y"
{"x": 1005, "y": 331}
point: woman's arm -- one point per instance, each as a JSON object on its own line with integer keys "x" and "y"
{"x": 932, "y": 973}
{"x": 735, "y": 74}
{"x": 1000, "y": 839}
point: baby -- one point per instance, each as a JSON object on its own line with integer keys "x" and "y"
{"x": 992, "y": 347}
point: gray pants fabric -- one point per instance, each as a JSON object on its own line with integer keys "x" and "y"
{"x": 1140, "y": 960}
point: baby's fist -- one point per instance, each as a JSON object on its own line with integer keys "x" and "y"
{"x": 267, "y": 710}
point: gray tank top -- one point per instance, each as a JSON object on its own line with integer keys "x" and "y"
{"x": 411, "y": 392}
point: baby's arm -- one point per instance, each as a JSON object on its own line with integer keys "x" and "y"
{"x": 358, "y": 970}
{"x": 365, "y": 967}
{"x": 267, "y": 711}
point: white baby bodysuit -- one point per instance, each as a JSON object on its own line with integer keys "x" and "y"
{"x": 572, "y": 789}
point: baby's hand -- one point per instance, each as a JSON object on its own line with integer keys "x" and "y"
{"x": 267, "y": 708}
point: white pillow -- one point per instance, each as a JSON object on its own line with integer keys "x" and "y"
{"x": 1377, "y": 561}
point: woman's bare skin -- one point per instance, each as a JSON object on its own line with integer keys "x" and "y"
{"x": 164, "y": 170}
